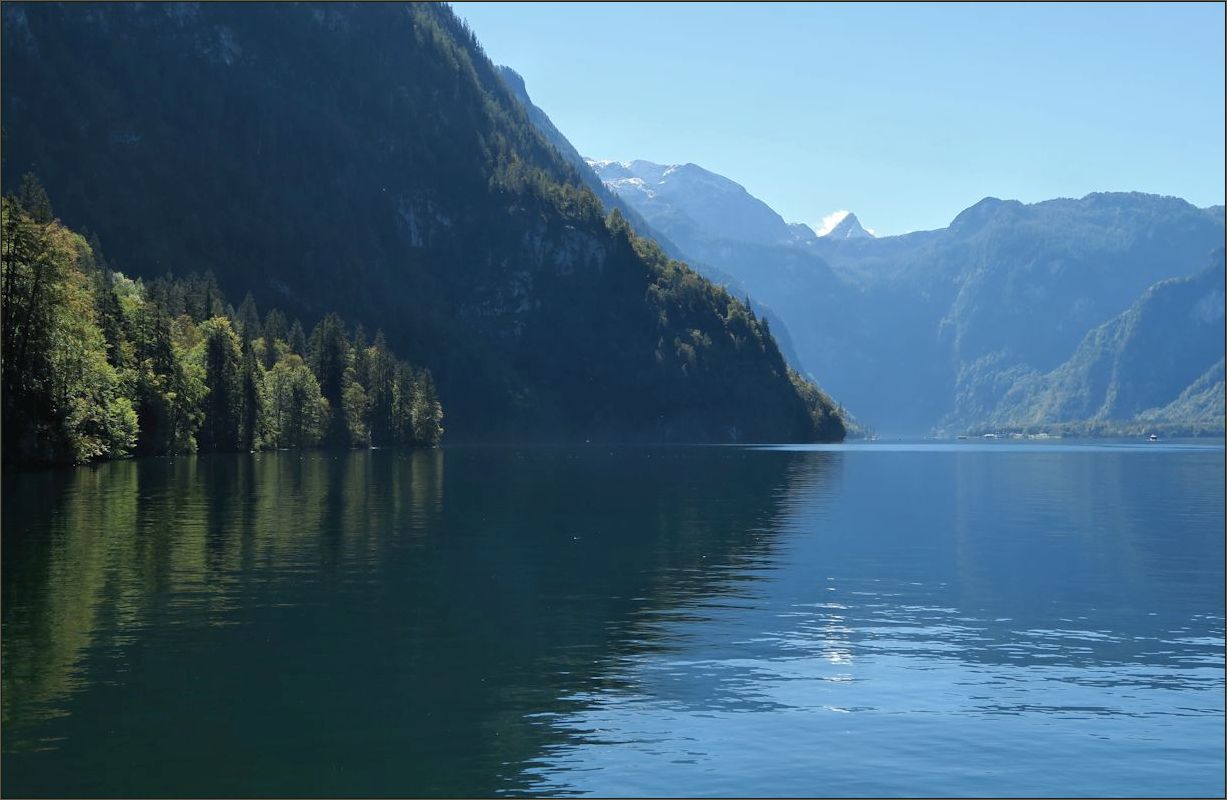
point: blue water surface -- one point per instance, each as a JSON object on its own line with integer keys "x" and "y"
{"x": 876, "y": 619}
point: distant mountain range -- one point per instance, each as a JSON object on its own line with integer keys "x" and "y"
{"x": 971, "y": 325}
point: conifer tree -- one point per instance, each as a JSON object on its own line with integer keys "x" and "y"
{"x": 359, "y": 350}
{"x": 168, "y": 385}
{"x": 381, "y": 379}
{"x": 427, "y": 411}
{"x": 253, "y": 398}
{"x": 275, "y": 326}
{"x": 274, "y": 333}
{"x": 33, "y": 199}
{"x": 328, "y": 352}
{"x": 221, "y": 356}
{"x": 297, "y": 340}
{"x": 248, "y": 319}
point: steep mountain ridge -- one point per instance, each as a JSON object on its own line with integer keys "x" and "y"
{"x": 1160, "y": 360}
{"x": 610, "y": 199}
{"x": 369, "y": 158}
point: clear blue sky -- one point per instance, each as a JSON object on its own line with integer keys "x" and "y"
{"x": 905, "y": 114}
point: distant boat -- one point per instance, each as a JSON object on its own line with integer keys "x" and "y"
{"x": 1154, "y": 437}
{"x": 962, "y": 436}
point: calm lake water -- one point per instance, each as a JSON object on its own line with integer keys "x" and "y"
{"x": 984, "y": 619}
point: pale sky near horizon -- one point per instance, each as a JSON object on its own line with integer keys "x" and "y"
{"x": 903, "y": 113}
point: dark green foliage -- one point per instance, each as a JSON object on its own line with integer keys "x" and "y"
{"x": 168, "y": 386}
{"x": 252, "y": 398}
{"x": 275, "y": 326}
{"x": 402, "y": 403}
{"x": 380, "y": 376}
{"x": 358, "y": 348}
{"x": 222, "y": 359}
{"x": 32, "y": 197}
{"x": 328, "y": 354}
{"x": 828, "y": 422}
{"x": 110, "y": 318}
{"x": 197, "y": 296}
{"x": 426, "y": 410}
{"x": 355, "y": 408}
{"x": 96, "y": 365}
{"x": 385, "y": 171}
{"x": 298, "y": 339}
{"x": 248, "y": 319}
{"x": 274, "y": 329}
{"x": 63, "y": 400}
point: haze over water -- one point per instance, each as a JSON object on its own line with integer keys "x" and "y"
{"x": 1004, "y": 619}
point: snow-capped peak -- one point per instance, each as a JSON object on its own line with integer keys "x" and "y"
{"x": 843, "y": 225}
{"x": 611, "y": 171}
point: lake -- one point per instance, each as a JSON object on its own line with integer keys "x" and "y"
{"x": 867, "y": 619}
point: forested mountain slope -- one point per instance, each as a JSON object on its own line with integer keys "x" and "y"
{"x": 1161, "y": 361}
{"x": 369, "y": 159}
{"x": 610, "y": 199}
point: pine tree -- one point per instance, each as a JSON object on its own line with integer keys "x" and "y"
{"x": 34, "y": 200}
{"x": 381, "y": 380}
{"x": 328, "y": 352}
{"x": 359, "y": 350}
{"x": 111, "y": 321}
{"x": 253, "y": 398}
{"x": 402, "y": 404}
{"x": 275, "y": 326}
{"x": 248, "y": 319}
{"x": 202, "y": 299}
{"x": 221, "y": 356}
{"x": 297, "y": 340}
{"x": 427, "y": 411}
{"x": 275, "y": 334}
{"x": 169, "y": 386}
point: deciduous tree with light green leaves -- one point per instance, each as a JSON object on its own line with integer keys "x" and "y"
{"x": 97, "y": 365}
{"x": 296, "y": 413}
{"x": 63, "y": 399}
